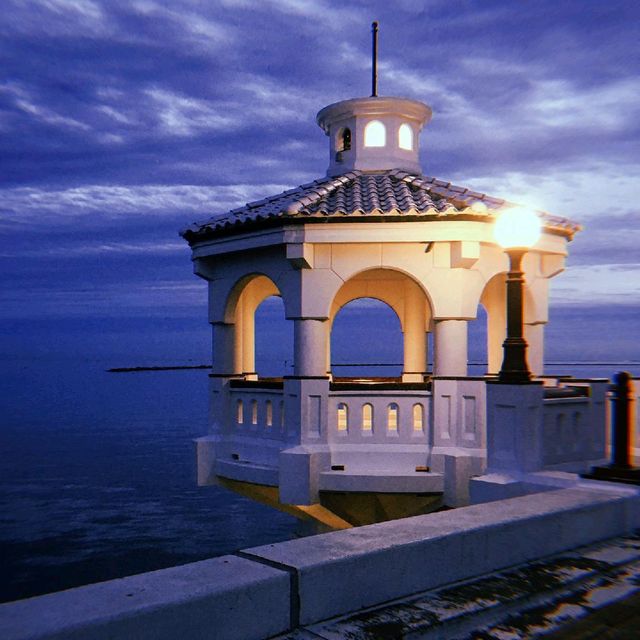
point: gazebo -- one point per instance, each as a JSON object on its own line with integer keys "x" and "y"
{"x": 346, "y": 451}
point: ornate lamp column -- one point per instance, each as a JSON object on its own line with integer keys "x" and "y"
{"x": 516, "y": 231}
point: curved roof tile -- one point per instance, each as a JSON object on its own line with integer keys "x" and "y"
{"x": 394, "y": 193}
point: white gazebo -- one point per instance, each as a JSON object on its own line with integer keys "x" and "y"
{"x": 353, "y": 451}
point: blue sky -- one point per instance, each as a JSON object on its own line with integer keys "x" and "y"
{"x": 122, "y": 122}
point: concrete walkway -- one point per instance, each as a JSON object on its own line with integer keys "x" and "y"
{"x": 618, "y": 621}
{"x": 592, "y": 592}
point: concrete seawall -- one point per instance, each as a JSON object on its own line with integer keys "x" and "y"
{"x": 263, "y": 591}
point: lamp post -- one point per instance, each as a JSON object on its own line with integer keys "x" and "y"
{"x": 516, "y": 231}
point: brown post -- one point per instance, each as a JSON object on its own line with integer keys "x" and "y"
{"x": 621, "y": 420}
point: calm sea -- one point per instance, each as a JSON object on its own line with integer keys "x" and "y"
{"x": 97, "y": 476}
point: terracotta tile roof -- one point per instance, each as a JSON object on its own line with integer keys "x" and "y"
{"x": 357, "y": 194}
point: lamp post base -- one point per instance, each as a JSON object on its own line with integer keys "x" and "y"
{"x": 612, "y": 473}
{"x": 514, "y": 366}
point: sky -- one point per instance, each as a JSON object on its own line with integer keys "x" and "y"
{"x": 123, "y": 122}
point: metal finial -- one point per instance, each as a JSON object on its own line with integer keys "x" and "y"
{"x": 374, "y": 65}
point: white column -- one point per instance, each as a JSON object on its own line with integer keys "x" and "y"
{"x": 534, "y": 335}
{"x": 450, "y": 348}
{"x": 237, "y": 339}
{"x": 223, "y": 348}
{"x": 248, "y": 337}
{"x": 310, "y": 348}
{"x": 415, "y": 337}
{"x": 329, "y": 326}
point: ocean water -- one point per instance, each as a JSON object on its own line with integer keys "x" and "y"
{"x": 97, "y": 478}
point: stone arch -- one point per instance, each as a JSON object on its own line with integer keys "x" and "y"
{"x": 240, "y": 309}
{"x": 406, "y": 297}
{"x": 256, "y": 286}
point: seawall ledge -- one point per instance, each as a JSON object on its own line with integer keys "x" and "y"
{"x": 271, "y": 589}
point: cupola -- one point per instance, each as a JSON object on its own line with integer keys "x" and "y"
{"x": 374, "y": 134}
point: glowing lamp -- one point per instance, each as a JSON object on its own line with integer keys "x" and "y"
{"x": 517, "y": 228}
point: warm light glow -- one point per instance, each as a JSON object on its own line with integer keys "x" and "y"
{"x": 375, "y": 134}
{"x": 343, "y": 419}
{"x": 418, "y": 417}
{"x": 517, "y": 227}
{"x": 405, "y": 137}
{"x": 392, "y": 417}
{"x": 367, "y": 417}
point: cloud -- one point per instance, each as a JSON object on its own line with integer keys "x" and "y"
{"x": 184, "y": 116}
{"x": 606, "y": 285}
{"x": 124, "y": 121}
{"x": 56, "y": 17}
{"x": 28, "y": 205}
{"x": 26, "y": 104}
{"x": 610, "y": 107}
{"x": 97, "y": 249}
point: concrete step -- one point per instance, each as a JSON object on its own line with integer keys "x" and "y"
{"x": 382, "y": 481}
{"x": 528, "y": 601}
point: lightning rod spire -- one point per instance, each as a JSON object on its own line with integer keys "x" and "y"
{"x": 374, "y": 62}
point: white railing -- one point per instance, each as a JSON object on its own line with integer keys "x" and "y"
{"x": 258, "y": 413}
{"x": 379, "y": 417}
{"x": 573, "y": 430}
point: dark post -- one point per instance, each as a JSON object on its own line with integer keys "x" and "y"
{"x": 374, "y": 62}
{"x": 621, "y": 419}
{"x": 515, "y": 369}
{"x": 620, "y": 469}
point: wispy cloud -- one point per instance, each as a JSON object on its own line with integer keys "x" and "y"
{"x": 97, "y": 249}
{"x": 600, "y": 284}
{"x": 30, "y": 205}
{"x": 184, "y": 116}
{"x": 27, "y": 104}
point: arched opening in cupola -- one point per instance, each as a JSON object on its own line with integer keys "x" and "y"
{"x": 375, "y": 134}
{"x": 343, "y": 141}
{"x": 405, "y": 137}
